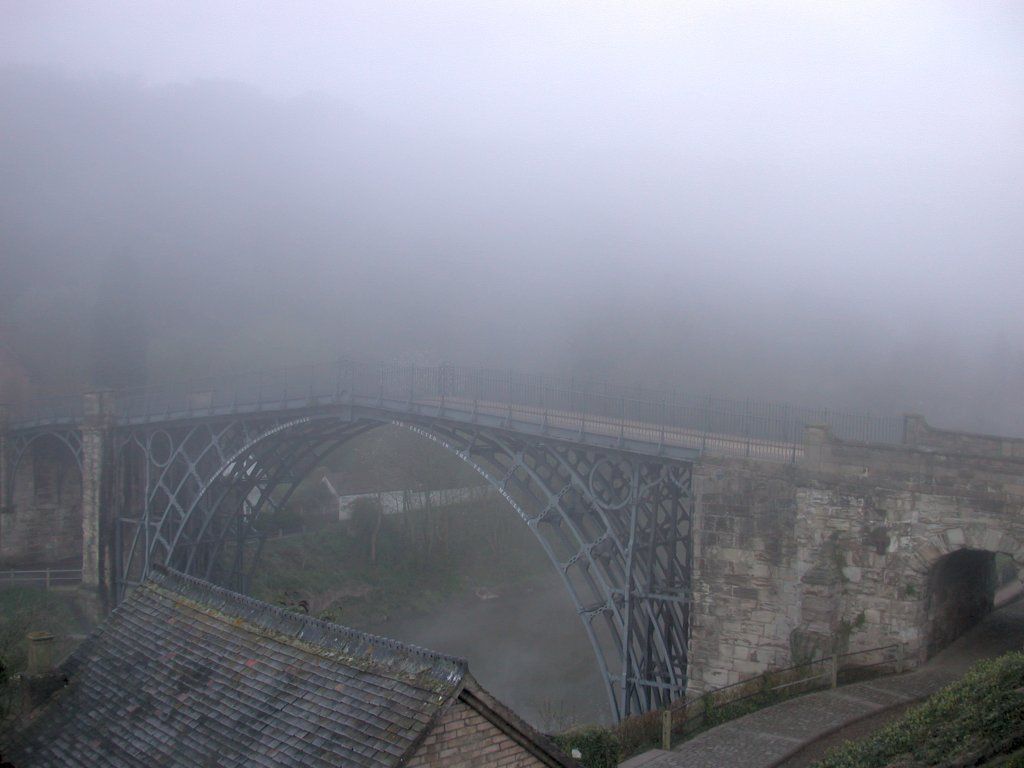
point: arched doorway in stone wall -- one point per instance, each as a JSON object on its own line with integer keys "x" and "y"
{"x": 961, "y": 591}
{"x": 961, "y": 564}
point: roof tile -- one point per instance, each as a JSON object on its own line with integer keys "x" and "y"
{"x": 184, "y": 671}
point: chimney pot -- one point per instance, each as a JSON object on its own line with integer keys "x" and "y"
{"x": 40, "y": 652}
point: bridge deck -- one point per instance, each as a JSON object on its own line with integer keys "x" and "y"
{"x": 597, "y": 414}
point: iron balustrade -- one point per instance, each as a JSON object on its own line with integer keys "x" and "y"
{"x": 745, "y": 427}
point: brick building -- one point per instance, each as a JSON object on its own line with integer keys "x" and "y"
{"x": 185, "y": 673}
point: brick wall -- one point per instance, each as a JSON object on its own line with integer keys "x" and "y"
{"x": 463, "y": 738}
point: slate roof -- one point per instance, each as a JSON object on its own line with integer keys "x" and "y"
{"x": 184, "y": 673}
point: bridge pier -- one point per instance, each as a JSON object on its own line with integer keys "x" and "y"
{"x": 97, "y": 477}
{"x": 858, "y": 546}
{"x": 5, "y": 458}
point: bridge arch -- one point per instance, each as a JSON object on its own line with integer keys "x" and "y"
{"x": 41, "y": 492}
{"x": 984, "y": 533}
{"x": 615, "y": 526}
{"x": 67, "y": 441}
{"x": 957, "y": 567}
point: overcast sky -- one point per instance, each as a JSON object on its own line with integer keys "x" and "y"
{"x": 808, "y": 175}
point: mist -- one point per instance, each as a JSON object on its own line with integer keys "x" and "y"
{"x": 812, "y": 203}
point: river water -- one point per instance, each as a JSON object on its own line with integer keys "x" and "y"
{"x": 527, "y": 647}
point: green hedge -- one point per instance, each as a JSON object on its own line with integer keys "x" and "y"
{"x": 978, "y": 720}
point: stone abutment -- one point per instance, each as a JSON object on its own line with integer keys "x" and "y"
{"x": 856, "y": 546}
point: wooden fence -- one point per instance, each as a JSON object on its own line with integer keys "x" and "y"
{"x": 683, "y": 719}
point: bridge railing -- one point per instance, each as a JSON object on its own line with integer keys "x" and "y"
{"x": 65, "y": 409}
{"x": 684, "y": 719}
{"x": 271, "y": 389}
{"x": 590, "y": 406}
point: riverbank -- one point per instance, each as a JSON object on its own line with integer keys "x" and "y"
{"x": 495, "y": 601}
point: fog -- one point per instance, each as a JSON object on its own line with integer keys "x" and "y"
{"x": 811, "y": 202}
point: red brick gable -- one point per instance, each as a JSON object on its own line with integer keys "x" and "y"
{"x": 477, "y": 731}
{"x": 463, "y": 738}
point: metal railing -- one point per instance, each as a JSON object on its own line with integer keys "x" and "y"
{"x": 46, "y": 578}
{"x": 62, "y": 409}
{"x": 720, "y": 705}
{"x": 747, "y": 427}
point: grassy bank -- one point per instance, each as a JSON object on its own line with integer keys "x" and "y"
{"x": 978, "y": 720}
{"x": 27, "y": 609}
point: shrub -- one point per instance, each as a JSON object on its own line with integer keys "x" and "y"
{"x": 969, "y": 722}
{"x": 598, "y": 747}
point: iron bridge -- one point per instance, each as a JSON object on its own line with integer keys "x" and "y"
{"x": 603, "y": 477}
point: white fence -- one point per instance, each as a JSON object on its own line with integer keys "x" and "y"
{"x": 46, "y": 578}
{"x": 395, "y": 502}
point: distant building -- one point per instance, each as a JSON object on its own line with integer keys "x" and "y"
{"x": 15, "y": 388}
{"x": 397, "y": 502}
{"x": 185, "y": 673}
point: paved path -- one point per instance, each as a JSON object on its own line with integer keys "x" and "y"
{"x": 769, "y": 737}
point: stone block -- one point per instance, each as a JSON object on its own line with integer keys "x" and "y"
{"x": 955, "y": 537}
{"x": 748, "y": 668}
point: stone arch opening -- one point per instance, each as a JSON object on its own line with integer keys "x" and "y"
{"x": 44, "y": 503}
{"x": 960, "y": 593}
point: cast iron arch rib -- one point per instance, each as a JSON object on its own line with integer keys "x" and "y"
{"x": 614, "y": 525}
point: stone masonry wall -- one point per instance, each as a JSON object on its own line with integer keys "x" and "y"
{"x": 838, "y": 552}
{"x": 744, "y": 560}
{"x": 918, "y": 433}
{"x": 43, "y": 523}
{"x": 463, "y": 738}
{"x": 885, "y": 544}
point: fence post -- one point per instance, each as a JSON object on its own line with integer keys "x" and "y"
{"x": 900, "y": 657}
{"x": 666, "y": 728}
{"x": 441, "y": 374}
{"x": 746, "y": 424}
{"x": 834, "y": 671}
{"x": 47, "y": 579}
{"x": 706, "y": 426}
{"x": 476, "y": 393}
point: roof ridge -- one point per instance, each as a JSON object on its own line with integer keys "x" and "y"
{"x": 306, "y": 629}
